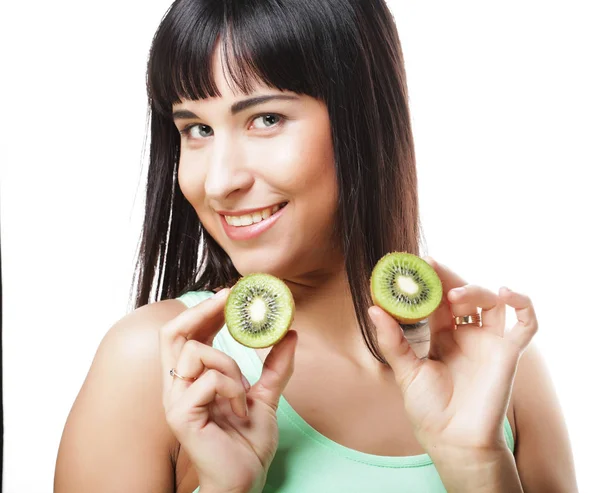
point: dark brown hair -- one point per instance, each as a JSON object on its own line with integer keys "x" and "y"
{"x": 345, "y": 53}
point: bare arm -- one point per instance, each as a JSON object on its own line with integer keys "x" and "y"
{"x": 543, "y": 452}
{"x": 543, "y": 455}
{"x": 116, "y": 437}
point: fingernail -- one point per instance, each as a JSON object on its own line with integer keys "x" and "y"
{"x": 220, "y": 294}
{"x": 459, "y": 291}
{"x": 372, "y": 312}
{"x": 246, "y": 383}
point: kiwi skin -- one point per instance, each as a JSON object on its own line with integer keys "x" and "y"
{"x": 293, "y": 309}
{"x": 400, "y": 319}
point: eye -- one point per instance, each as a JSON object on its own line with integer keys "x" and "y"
{"x": 198, "y": 131}
{"x": 270, "y": 116}
{"x": 187, "y": 131}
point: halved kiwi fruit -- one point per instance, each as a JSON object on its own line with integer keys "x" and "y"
{"x": 406, "y": 287}
{"x": 259, "y": 310}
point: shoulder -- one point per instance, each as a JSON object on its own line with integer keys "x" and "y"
{"x": 119, "y": 408}
{"x": 540, "y": 425}
{"x": 136, "y": 334}
{"x": 131, "y": 346}
{"x": 132, "y": 343}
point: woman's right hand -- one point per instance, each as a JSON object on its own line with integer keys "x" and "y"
{"x": 230, "y": 451}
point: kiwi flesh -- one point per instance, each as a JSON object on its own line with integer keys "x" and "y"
{"x": 259, "y": 310}
{"x": 406, "y": 287}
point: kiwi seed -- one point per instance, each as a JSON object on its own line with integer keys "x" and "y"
{"x": 406, "y": 287}
{"x": 259, "y": 310}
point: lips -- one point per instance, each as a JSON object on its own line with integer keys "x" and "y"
{"x": 253, "y": 217}
{"x": 250, "y": 231}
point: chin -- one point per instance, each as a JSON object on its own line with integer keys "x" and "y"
{"x": 261, "y": 260}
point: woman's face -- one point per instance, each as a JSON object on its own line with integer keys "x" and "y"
{"x": 238, "y": 168}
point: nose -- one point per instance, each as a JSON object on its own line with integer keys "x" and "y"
{"x": 227, "y": 172}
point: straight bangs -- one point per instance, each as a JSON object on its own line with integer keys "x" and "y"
{"x": 283, "y": 45}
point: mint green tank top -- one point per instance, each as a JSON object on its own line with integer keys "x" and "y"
{"x": 307, "y": 461}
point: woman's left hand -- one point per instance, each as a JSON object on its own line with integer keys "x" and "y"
{"x": 457, "y": 398}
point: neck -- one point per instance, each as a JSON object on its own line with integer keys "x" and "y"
{"x": 325, "y": 317}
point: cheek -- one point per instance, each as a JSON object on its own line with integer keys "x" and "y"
{"x": 314, "y": 185}
{"x": 305, "y": 164}
{"x": 318, "y": 173}
{"x": 191, "y": 179}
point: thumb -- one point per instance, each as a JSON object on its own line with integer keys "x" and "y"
{"x": 277, "y": 370}
{"x": 395, "y": 348}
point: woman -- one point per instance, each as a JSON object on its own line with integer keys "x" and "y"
{"x": 294, "y": 116}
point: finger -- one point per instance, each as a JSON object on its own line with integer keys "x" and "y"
{"x": 201, "y": 322}
{"x": 395, "y": 348}
{"x": 210, "y": 384}
{"x": 527, "y": 325}
{"x": 277, "y": 371}
{"x": 442, "y": 319}
{"x": 466, "y": 299}
{"x": 195, "y": 358}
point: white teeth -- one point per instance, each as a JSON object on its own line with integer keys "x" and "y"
{"x": 253, "y": 218}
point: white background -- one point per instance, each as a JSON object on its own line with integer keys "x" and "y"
{"x": 505, "y": 106}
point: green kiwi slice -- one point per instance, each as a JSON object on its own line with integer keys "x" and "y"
{"x": 259, "y": 310}
{"x": 406, "y": 287}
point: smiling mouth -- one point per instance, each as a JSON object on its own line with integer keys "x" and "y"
{"x": 254, "y": 217}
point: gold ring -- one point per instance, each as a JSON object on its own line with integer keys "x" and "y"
{"x": 174, "y": 373}
{"x": 474, "y": 318}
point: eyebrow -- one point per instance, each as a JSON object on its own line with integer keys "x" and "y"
{"x": 235, "y": 107}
